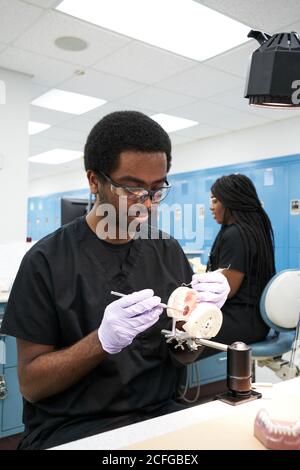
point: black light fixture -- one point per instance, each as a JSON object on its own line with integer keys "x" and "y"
{"x": 274, "y": 73}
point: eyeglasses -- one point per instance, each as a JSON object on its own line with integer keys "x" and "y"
{"x": 138, "y": 194}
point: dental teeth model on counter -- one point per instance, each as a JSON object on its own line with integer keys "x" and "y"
{"x": 275, "y": 434}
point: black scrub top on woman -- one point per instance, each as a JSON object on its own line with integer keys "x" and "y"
{"x": 59, "y": 296}
{"x": 241, "y": 316}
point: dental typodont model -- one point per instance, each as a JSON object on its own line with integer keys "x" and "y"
{"x": 277, "y": 435}
{"x": 201, "y": 320}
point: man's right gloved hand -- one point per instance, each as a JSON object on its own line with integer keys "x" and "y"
{"x": 125, "y": 318}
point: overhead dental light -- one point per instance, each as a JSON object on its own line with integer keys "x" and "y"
{"x": 274, "y": 74}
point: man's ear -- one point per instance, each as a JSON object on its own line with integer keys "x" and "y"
{"x": 93, "y": 181}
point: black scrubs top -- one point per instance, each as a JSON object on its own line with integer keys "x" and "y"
{"x": 60, "y": 293}
{"x": 241, "y": 317}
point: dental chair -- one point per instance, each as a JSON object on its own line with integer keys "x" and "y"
{"x": 280, "y": 310}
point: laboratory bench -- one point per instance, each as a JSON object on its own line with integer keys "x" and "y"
{"x": 211, "y": 426}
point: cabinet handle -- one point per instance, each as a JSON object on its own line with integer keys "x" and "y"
{"x": 3, "y": 388}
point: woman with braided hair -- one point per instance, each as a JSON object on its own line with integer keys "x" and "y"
{"x": 244, "y": 244}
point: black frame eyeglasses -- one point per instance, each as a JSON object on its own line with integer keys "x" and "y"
{"x": 138, "y": 194}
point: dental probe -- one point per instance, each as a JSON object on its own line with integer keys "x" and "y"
{"x": 118, "y": 294}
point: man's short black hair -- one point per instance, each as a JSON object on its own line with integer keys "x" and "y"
{"x": 121, "y": 131}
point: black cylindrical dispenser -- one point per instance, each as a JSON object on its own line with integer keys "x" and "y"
{"x": 239, "y": 367}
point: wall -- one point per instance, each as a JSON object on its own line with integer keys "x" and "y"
{"x": 272, "y": 140}
{"x": 67, "y": 181}
{"x": 14, "y": 141}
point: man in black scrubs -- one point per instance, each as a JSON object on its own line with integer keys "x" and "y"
{"x": 87, "y": 362}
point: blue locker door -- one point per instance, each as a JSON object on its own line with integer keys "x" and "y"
{"x": 188, "y": 216}
{"x": 201, "y": 210}
{"x": 165, "y": 223}
{"x": 294, "y": 211}
{"x": 272, "y": 189}
{"x": 294, "y": 215}
{"x": 177, "y": 212}
{"x": 57, "y": 212}
{"x": 294, "y": 257}
{"x": 211, "y": 228}
{"x": 44, "y": 217}
{"x": 30, "y": 219}
{"x": 39, "y": 218}
{"x": 11, "y": 351}
{"x": 31, "y": 227}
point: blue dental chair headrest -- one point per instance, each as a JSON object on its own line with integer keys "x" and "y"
{"x": 280, "y": 301}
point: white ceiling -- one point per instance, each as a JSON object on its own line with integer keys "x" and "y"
{"x": 132, "y": 75}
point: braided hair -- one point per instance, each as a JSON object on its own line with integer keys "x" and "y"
{"x": 239, "y": 197}
{"x": 121, "y": 131}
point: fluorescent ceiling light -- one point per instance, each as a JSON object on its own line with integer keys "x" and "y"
{"x": 37, "y": 127}
{"x": 181, "y": 26}
{"x": 56, "y": 157}
{"x": 173, "y": 123}
{"x": 67, "y": 102}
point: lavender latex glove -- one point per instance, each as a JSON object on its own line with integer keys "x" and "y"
{"x": 125, "y": 318}
{"x": 211, "y": 287}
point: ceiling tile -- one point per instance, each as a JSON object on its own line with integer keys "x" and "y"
{"x": 47, "y": 116}
{"x": 81, "y": 124}
{"x": 43, "y": 3}
{"x": 61, "y": 133}
{"x": 38, "y": 144}
{"x": 41, "y": 37}
{"x": 200, "y": 82}
{"x": 143, "y": 63}
{"x": 219, "y": 116}
{"x": 47, "y": 72}
{"x": 236, "y": 61}
{"x": 116, "y": 105}
{"x": 37, "y": 90}
{"x": 267, "y": 15}
{"x": 101, "y": 85}
{"x": 156, "y": 99}
{"x": 177, "y": 139}
{"x": 88, "y": 120}
{"x": 15, "y": 18}
{"x": 37, "y": 170}
{"x": 201, "y": 131}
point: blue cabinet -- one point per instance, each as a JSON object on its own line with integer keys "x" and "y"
{"x": 294, "y": 257}
{"x": 210, "y": 369}
{"x": 271, "y": 183}
{"x": 44, "y": 213}
{"x": 11, "y": 405}
{"x": 293, "y": 210}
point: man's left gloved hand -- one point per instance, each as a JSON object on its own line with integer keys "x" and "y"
{"x": 211, "y": 287}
